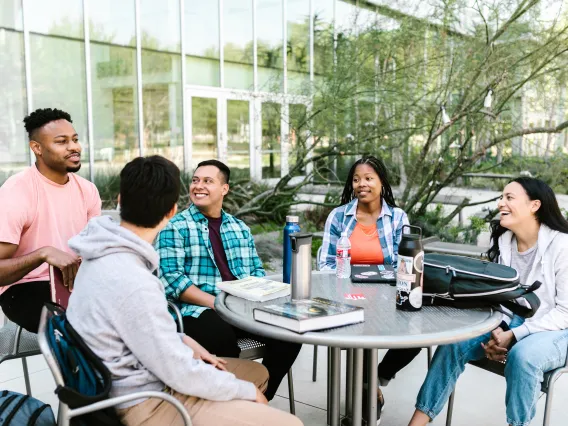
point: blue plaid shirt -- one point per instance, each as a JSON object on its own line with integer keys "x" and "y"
{"x": 186, "y": 255}
{"x": 344, "y": 218}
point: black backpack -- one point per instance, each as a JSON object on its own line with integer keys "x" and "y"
{"x": 23, "y": 410}
{"x": 87, "y": 379}
{"x": 465, "y": 282}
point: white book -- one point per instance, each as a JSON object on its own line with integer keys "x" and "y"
{"x": 255, "y": 289}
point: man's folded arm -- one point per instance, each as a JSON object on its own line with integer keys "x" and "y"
{"x": 13, "y": 269}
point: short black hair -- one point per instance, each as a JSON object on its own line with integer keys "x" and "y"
{"x": 149, "y": 189}
{"x": 223, "y": 168}
{"x": 40, "y": 117}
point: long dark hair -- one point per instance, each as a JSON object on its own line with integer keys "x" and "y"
{"x": 548, "y": 214}
{"x": 379, "y": 167}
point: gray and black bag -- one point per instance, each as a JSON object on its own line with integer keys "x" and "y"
{"x": 465, "y": 282}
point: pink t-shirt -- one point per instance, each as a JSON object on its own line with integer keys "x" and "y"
{"x": 36, "y": 212}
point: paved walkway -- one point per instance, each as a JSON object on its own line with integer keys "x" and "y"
{"x": 479, "y": 398}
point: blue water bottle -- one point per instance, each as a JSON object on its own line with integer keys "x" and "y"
{"x": 292, "y": 225}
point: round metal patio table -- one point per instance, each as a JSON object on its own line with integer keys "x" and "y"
{"x": 384, "y": 327}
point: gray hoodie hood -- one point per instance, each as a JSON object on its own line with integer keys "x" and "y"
{"x": 103, "y": 236}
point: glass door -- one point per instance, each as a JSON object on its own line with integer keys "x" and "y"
{"x": 220, "y": 128}
{"x": 204, "y": 129}
{"x": 238, "y": 131}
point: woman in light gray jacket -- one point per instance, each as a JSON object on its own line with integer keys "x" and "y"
{"x": 532, "y": 237}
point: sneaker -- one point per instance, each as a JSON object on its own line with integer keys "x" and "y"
{"x": 346, "y": 421}
{"x": 380, "y": 405}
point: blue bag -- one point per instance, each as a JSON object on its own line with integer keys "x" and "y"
{"x": 23, "y": 410}
{"x": 87, "y": 380}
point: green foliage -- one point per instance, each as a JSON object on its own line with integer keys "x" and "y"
{"x": 431, "y": 224}
{"x": 552, "y": 170}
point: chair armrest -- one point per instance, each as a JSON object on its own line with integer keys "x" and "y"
{"x": 177, "y": 313}
{"x": 107, "y": 403}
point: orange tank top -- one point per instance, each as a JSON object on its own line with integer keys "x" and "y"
{"x": 365, "y": 246}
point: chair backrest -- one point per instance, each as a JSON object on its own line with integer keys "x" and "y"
{"x": 318, "y": 259}
{"x": 46, "y": 350}
{"x": 80, "y": 376}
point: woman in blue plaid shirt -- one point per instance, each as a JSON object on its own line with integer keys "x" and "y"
{"x": 374, "y": 224}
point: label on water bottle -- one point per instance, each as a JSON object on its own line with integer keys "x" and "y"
{"x": 416, "y": 297}
{"x": 343, "y": 253}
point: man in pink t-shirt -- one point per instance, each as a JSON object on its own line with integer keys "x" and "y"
{"x": 41, "y": 208}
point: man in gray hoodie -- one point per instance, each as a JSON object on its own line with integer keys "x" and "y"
{"x": 119, "y": 308}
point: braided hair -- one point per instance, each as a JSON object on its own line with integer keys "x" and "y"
{"x": 379, "y": 167}
{"x": 40, "y": 117}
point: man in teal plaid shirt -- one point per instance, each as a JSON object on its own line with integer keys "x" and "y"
{"x": 202, "y": 246}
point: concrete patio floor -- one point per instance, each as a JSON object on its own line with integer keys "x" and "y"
{"x": 479, "y": 398}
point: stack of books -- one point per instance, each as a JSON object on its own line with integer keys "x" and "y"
{"x": 309, "y": 314}
{"x": 255, "y": 289}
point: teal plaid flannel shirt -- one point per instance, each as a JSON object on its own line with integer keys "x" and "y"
{"x": 186, "y": 255}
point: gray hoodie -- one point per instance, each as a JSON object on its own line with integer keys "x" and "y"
{"x": 550, "y": 267}
{"x": 119, "y": 308}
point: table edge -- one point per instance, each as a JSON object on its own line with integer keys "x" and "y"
{"x": 347, "y": 341}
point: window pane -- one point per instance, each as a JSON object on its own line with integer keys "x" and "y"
{"x": 14, "y": 151}
{"x": 270, "y": 149}
{"x": 115, "y": 106}
{"x": 204, "y": 129}
{"x": 161, "y": 96}
{"x": 58, "y": 81}
{"x": 345, "y": 16}
{"x": 269, "y": 44}
{"x": 113, "y": 21}
{"x": 297, "y": 136}
{"x": 202, "y": 42}
{"x": 11, "y": 14}
{"x": 323, "y": 36}
{"x": 238, "y": 44}
{"x": 298, "y": 32}
{"x": 160, "y": 25}
{"x": 238, "y": 133}
{"x": 56, "y": 17}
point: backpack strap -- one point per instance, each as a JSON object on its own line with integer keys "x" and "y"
{"x": 7, "y": 402}
{"x": 531, "y": 298}
{"x": 35, "y": 415}
{"x": 18, "y": 405}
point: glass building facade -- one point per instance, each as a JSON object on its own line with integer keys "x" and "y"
{"x": 186, "y": 79}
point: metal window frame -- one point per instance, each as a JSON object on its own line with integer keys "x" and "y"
{"x": 221, "y": 45}
{"x": 139, "y": 77}
{"x": 89, "y": 88}
{"x": 27, "y": 67}
{"x": 185, "y": 108}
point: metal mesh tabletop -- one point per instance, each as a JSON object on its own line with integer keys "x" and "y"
{"x": 384, "y": 326}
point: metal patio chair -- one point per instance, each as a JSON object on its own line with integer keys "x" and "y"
{"x": 15, "y": 342}
{"x": 547, "y": 386}
{"x": 65, "y": 414}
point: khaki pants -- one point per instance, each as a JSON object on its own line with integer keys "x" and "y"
{"x": 155, "y": 412}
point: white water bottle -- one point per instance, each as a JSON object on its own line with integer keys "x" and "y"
{"x": 343, "y": 258}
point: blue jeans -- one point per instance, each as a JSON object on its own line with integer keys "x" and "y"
{"x": 527, "y": 362}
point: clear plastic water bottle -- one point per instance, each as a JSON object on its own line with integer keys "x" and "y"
{"x": 343, "y": 258}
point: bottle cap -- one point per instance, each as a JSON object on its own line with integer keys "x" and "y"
{"x": 293, "y": 219}
{"x": 344, "y": 234}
